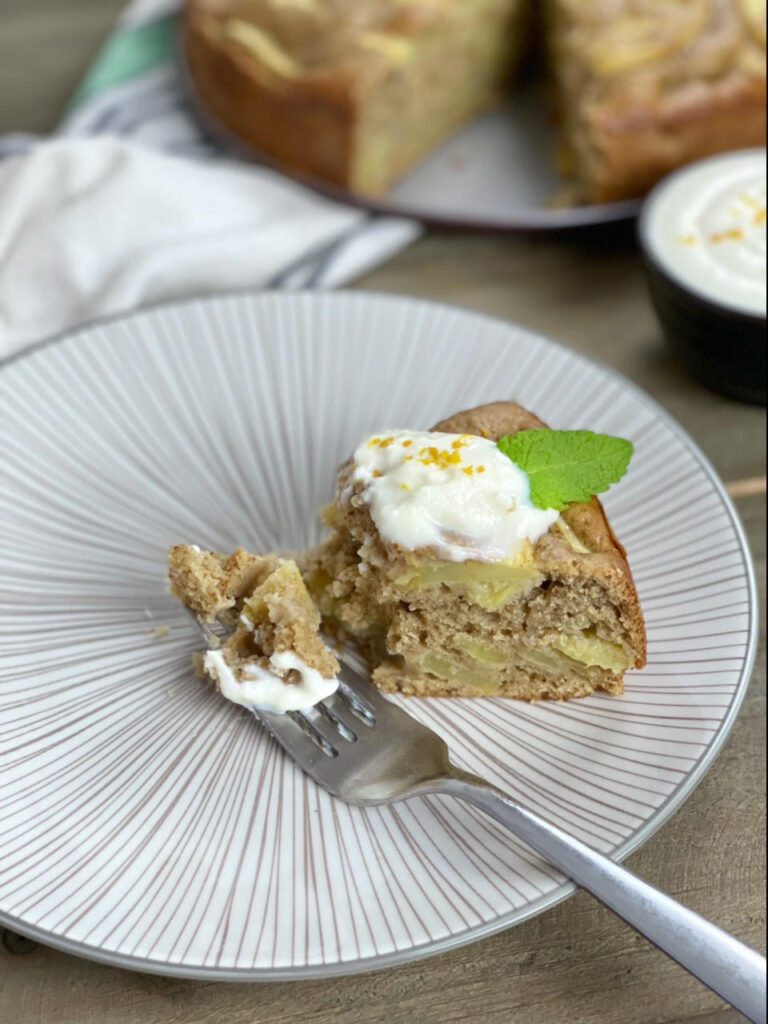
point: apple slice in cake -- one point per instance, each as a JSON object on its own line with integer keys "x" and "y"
{"x": 454, "y": 582}
{"x": 274, "y": 658}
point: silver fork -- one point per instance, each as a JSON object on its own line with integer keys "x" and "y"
{"x": 366, "y": 750}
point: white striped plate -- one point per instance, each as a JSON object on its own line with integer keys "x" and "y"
{"x": 148, "y": 823}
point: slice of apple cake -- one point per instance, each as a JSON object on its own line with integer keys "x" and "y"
{"x": 453, "y": 581}
{"x": 274, "y": 658}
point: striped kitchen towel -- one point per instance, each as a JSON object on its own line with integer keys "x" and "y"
{"x": 106, "y": 225}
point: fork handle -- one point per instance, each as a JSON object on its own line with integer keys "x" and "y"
{"x": 727, "y": 966}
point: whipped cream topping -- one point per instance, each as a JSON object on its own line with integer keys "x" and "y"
{"x": 706, "y": 226}
{"x": 456, "y": 493}
{"x": 258, "y": 687}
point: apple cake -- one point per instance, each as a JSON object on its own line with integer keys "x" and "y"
{"x": 353, "y": 92}
{"x": 274, "y": 657}
{"x": 454, "y": 584}
{"x": 349, "y": 91}
{"x": 644, "y": 86}
{"x": 469, "y": 560}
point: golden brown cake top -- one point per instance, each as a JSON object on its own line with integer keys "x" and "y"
{"x": 275, "y": 657}
{"x": 588, "y": 545}
{"x": 292, "y": 38}
{"x": 626, "y": 51}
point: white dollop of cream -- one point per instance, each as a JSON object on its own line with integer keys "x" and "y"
{"x": 258, "y": 687}
{"x": 456, "y": 493}
{"x": 706, "y": 227}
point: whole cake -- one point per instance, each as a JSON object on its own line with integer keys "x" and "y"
{"x": 354, "y": 92}
{"x": 469, "y": 560}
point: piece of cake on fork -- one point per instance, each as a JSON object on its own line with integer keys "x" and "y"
{"x": 274, "y": 656}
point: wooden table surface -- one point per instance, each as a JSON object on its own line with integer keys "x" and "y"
{"x": 577, "y": 962}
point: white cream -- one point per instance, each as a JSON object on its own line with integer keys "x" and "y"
{"x": 706, "y": 228}
{"x": 263, "y": 689}
{"x": 456, "y": 493}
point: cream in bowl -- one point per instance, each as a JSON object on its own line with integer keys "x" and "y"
{"x": 703, "y": 234}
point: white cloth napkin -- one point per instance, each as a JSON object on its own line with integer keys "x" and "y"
{"x": 90, "y": 227}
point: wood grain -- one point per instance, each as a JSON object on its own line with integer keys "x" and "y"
{"x": 576, "y": 963}
{"x": 743, "y": 488}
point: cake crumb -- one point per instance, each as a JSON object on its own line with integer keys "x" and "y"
{"x": 161, "y": 631}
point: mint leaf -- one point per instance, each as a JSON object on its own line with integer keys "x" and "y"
{"x": 564, "y": 466}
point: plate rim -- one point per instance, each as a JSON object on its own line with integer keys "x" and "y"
{"x": 663, "y": 813}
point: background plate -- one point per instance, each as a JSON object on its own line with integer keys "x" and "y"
{"x": 147, "y": 822}
{"x": 496, "y": 173}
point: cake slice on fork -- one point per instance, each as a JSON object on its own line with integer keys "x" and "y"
{"x": 274, "y": 657}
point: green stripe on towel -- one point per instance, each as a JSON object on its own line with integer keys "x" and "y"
{"x": 128, "y": 53}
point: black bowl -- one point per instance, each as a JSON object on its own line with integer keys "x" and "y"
{"x": 723, "y": 348}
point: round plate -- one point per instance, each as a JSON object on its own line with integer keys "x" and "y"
{"x": 149, "y": 823}
{"x": 496, "y": 173}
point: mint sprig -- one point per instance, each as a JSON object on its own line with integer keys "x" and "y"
{"x": 564, "y": 466}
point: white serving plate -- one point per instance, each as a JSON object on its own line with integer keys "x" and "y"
{"x": 148, "y": 823}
